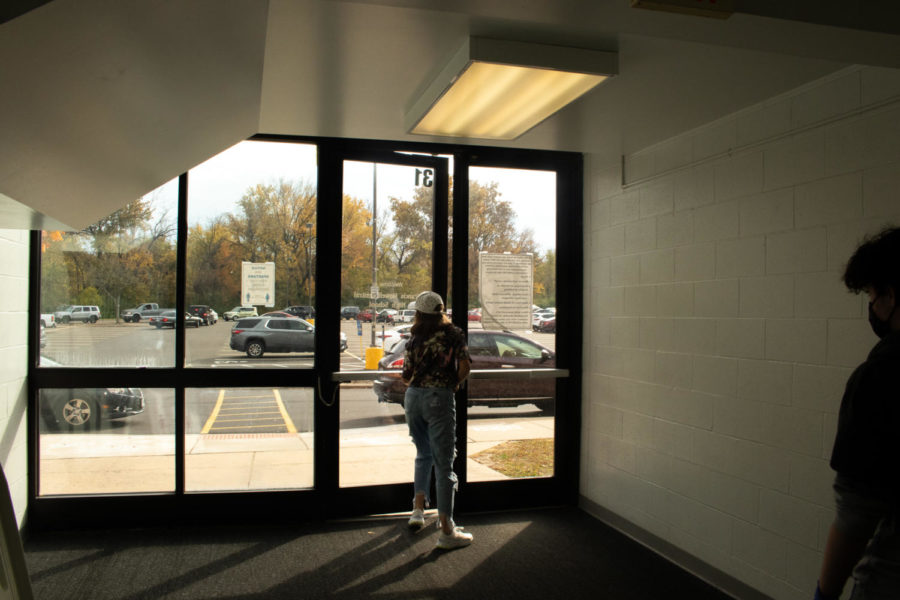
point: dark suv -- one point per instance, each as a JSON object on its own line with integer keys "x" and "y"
{"x": 201, "y": 311}
{"x": 488, "y": 350}
{"x": 349, "y": 312}
{"x": 304, "y": 312}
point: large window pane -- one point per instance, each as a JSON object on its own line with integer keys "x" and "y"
{"x": 106, "y": 441}
{"x": 250, "y": 205}
{"x": 243, "y": 439}
{"x": 386, "y": 255}
{"x": 99, "y": 286}
{"x": 375, "y": 447}
{"x": 386, "y": 260}
{"x": 512, "y": 299}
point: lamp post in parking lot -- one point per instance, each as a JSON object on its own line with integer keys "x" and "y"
{"x": 374, "y": 290}
{"x": 308, "y": 274}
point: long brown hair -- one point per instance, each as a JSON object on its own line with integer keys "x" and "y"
{"x": 425, "y": 325}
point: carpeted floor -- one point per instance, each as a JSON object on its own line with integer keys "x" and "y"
{"x": 546, "y": 554}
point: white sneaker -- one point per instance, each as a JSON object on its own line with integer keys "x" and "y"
{"x": 457, "y": 539}
{"x": 417, "y": 519}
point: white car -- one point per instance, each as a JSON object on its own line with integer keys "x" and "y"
{"x": 85, "y": 314}
{"x": 539, "y": 315}
{"x": 239, "y": 312}
{"x": 406, "y": 316}
{"x": 392, "y": 337}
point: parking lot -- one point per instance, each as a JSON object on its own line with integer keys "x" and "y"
{"x": 110, "y": 344}
{"x": 254, "y": 438}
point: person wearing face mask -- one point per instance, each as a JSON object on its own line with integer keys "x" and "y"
{"x": 864, "y": 539}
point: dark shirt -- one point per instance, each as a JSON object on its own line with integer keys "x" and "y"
{"x": 866, "y": 456}
{"x": 433, "y": 362}
{"x": 867, "y": 444}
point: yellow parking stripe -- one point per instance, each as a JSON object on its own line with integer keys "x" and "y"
{"x": 239, "y": 411}
{"x": 246, "y": 427}
{"x": 284, "y": 414}
{"x": 214, "y": 414}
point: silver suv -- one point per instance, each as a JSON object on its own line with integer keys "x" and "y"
{"x": 83, "y": 313}
{"x": 258, "y": 335}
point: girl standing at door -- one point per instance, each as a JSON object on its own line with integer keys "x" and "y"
{"x": 436, "y": 363}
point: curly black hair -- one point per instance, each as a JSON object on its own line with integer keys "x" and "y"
{"x": 875, "y": 263}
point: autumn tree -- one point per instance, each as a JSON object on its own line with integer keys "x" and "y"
{"x": 212, "y": 278}
{"x": 356, "y": 249}
{"x": 132, "y": 259}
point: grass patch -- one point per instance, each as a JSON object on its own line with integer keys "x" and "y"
{"x": 519, "y": 458}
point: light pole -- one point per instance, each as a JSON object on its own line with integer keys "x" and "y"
{"x": 308, "y": 283}
{"x": 374, "y": 291}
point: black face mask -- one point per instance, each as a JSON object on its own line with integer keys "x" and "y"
{"x": 881, "y": 328}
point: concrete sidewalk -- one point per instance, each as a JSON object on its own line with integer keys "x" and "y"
{"x": 114, "y": 463}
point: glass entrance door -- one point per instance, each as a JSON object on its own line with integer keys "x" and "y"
{"x": 391, "y": 243}
{"x": 355, "y": 230}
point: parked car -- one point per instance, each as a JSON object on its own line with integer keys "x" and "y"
{"x": 488, "y": 350}
{"x": 547, "y": 325}
{"x": 258, "y": 335}
{"x": 144, "y": 311}
{"x": 387, "y": 315}
{"x": 349, "y": 312}
{"x": 78, "y": 312}
{"x": 304, "y": 312}
{"x": 390, "y": 338}
{"x": 48, "y": 320}
{"x": 167, "y": 319}
{"x": 203, "y": 312}
{"x": 279, "y": 313}
{"x": 86, "y": 408}
{"x": 365, "y": 316}
{"x": 475, "y": 314}
{"x": 239, "y": 312}
{"x": 544, "y": 313}
{"x": 406, "y": 316}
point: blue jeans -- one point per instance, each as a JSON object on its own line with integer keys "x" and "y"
{"x": 431, "y": 416}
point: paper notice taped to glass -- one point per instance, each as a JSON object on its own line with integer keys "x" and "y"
{"x": 506, "y": 290}
{"x": 258, "y": 284}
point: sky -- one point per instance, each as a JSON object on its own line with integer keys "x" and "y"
{"x": 216, "y": 186}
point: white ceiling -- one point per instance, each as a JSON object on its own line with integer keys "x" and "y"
{"x": 109, "y": 100}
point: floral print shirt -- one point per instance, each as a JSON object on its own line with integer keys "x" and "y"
{"x": 433, "y": 362}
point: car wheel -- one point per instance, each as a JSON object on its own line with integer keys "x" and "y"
{"x": 80, "y": 413}
{"x": 93, "y": 318}
{"x": 256, "y": 349}
{"x": 136, "y": 319}
{"x": 66, "y": 320}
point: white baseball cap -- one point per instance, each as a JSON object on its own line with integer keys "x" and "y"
{"x": 429, "y": 303}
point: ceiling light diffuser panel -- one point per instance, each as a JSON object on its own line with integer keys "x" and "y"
{"x": 493, "y": 89}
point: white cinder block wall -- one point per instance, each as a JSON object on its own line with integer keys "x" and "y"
{"x": 718, "y": 335}
{"x": 14, "y": 365}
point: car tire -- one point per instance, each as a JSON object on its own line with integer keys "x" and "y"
{"x": 136, "y": 319}
{"x": 256, "y": 349}
{"x": 93, "y": 318}
{"x": 79, "y": 414}
{"x": 66, "y": 320}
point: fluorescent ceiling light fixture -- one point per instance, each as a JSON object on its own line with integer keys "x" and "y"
{"x": 494, "y": 89}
